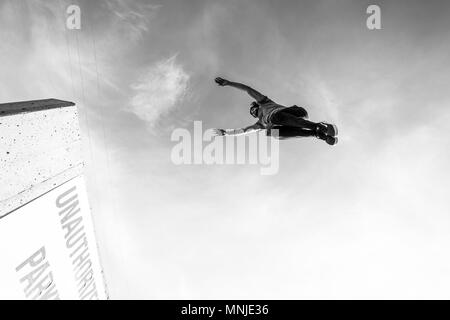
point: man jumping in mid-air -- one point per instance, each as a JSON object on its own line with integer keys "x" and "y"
{"x": 291, "y": 122}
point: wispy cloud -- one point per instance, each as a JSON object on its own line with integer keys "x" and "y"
{"x": 160, "y": 88}
{"x": 133, "y": 16}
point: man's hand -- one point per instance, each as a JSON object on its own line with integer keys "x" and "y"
{"x": 222, "y": 82}
{"x": 219, "y": 132}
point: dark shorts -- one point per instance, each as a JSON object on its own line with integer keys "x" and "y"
{"x": 295, "y": 111}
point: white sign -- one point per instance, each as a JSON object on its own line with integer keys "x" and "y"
{"x": 48, "y": 248}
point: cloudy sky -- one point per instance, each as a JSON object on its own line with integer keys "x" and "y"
{"x": 368, "y": 218}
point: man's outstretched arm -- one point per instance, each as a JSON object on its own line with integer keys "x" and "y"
{"x": 252, "y": 92}
{"x": 232, "y": 132}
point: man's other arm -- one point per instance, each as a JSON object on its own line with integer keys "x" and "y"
{"x": 252, "y": 92}
{"x": 232, "y": 132}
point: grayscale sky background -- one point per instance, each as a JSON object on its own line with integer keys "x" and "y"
{"x": 368, "y": 218}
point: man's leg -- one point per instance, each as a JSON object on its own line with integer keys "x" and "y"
{"x": 285, "y": 132}
{"x": 286, "y": 118}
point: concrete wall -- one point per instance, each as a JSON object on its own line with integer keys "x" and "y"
{"x": 40, "y": 148}
{"x": 48, "y": 248}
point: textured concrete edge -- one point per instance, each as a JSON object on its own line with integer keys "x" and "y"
{"x": 8, "y": 206}
{"x": 13, "y": 108}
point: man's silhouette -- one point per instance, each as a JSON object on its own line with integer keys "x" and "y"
{"x": 291, "y": 122}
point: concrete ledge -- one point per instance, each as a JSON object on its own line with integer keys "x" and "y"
{"x": 30, "y": 106}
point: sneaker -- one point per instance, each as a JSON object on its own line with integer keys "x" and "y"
{"x": 327, "y": 129}
{"x": 328, "y": 139}
{"x": 331, "y": 140}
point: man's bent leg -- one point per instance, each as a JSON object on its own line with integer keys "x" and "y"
{"x": 285, "y": 132}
